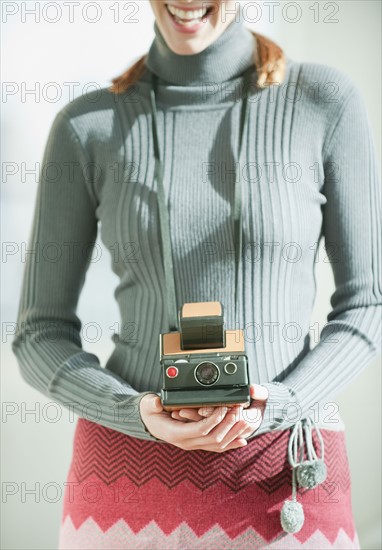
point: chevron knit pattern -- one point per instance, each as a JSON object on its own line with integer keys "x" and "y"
{"x": 124, "y": 492}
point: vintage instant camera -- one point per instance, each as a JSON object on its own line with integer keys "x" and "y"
{"x": 203, "y": 364}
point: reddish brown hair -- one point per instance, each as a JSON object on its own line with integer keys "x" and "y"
{"x": 269, "y": 60}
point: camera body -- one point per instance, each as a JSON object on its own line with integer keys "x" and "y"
{"x": 203, "y": 364}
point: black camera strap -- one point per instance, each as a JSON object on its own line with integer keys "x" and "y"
{"x": 163, "y": 212}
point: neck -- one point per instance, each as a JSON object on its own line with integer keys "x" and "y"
{"x": 226, "y": 58}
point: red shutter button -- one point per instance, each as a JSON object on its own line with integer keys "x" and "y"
{"x": 172, "y": 372}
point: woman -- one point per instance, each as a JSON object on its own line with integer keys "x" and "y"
{"x": 274, "y": 474}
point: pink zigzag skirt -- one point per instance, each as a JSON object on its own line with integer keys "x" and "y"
{"x": 127, "y": 493}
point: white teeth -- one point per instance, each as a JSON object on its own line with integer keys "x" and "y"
{"x": 188, "y": 15}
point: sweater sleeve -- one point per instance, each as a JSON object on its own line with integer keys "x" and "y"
{"x": 351, "y": 338}
{"x": 47, "y": 341}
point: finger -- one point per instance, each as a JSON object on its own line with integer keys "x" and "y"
{"x": 214, "y": 440}
{"x": 206, "y": 411}
{"x": 217, "y": 443}
{"x": 191, "y": 414}
{"x": 157, "y": 404}
{"x": 176, "y": 416}
{"x": 258, "y": 392}
{"x": 247, "y": 432}
{"x": 220, "y": 431}
{"x": 239, "y": 442}
{"x": 237, "y": 430}
{"x": 253, "y": 415}
{"x": 203, "y": 427}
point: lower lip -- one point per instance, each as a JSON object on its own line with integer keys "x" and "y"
{"x": 187, "y": 29}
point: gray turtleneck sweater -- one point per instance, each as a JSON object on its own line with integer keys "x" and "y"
{"x": 310, "y": 171}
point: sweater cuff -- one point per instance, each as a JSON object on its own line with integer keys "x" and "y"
{"x": 143, "y": 432}
{"x": 281, "y": 410}
{"x": 81, "y": 382}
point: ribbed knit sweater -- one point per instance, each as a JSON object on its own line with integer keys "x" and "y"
{"x": 310, "y": 171}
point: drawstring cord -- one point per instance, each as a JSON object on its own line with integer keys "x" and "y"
{"x": 306, "y": 473}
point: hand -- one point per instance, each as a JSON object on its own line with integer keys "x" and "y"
{"x": 214, "y": 429}
{"x": 220, "y": 431}
{"x": 253, "y": 414}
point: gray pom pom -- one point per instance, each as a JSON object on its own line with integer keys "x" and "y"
{"x": 292, "y": 516}
{"x": 311, "y": 473}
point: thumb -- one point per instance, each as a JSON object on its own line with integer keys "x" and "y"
{"x": 258, "y": 392}
{"x": 157, "y": 404}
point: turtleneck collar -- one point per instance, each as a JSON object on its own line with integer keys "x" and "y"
{"x": 226, "y": 58}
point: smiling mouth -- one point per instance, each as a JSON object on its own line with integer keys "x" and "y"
{"x": 188, "y": 17}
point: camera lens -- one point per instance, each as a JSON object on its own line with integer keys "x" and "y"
{"x": 207, "y": 373}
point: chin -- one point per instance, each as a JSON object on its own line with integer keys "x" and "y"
{"x": 191, "y": 47}
{"x": 183, "y": 43}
